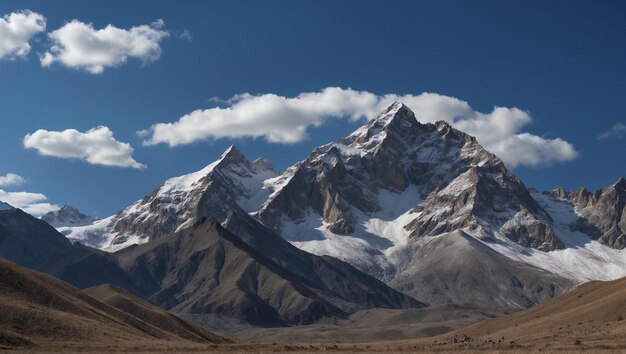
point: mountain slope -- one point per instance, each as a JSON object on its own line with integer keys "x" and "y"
{"x": 35, "y": 244}
{"x": 148, "y": 313}
{"x": 36, "y": 309}
{"x": 457, "y": 268}
{"x": 205, "y": 272}
{"x": 27, "y": 240}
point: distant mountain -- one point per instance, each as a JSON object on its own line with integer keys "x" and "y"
{"x": 39, "y": 310}
{"x": 5, "y": 206}
{"x": 67, "y": 216}
{"x": 379, "y": 199}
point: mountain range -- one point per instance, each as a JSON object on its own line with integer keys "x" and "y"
{"x": 399, "y": 215}
{"x": 382, "y": 198}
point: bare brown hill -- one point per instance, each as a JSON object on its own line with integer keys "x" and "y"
{"x": 593, "y": 316}
{"x": 39, "y": 310}
{"x": 155, "y": 316}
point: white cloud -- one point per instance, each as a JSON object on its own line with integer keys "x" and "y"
{"x": 281, "y": 119}
{"x": 617, "y": 131}
{"x": 78, "y": 45}
{"x": 96, "y": 146}
{"x": 16, "y": 31}
{"x": 11, "y": 179}
{"x": 33, "y": 203}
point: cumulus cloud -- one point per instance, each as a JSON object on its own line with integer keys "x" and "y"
{"x": 281, "y": 119}
{"x": 16, "y": 31}
{"x": 97, "y": 146}
{"x": 11, "y": 179}
{"x": 78, "y": 45}
{"x": 617, "y": 131}
{"x": 35, "y": 204}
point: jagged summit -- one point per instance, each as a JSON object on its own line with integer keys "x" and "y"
{"x": 67, "y": 216}
{"x": 232, "y": 154}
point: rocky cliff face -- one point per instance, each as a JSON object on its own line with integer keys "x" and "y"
{"x": 602, "y": 213}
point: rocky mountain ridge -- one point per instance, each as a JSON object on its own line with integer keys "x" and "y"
{"x": 374, "y": 199}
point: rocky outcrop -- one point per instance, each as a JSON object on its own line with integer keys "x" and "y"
{"x": 602, "y": 212}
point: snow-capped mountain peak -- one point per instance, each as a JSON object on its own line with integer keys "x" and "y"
{"x": 68, "y": 216}
{"x": 216, "y": 190}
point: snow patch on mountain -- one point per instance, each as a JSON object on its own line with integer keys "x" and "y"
{"x": 583, "y": 259}
{"x": 377, "y": 243}
{"x": 98, "y": 234}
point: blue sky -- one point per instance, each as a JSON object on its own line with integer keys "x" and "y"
{"x": 562, "y": 63}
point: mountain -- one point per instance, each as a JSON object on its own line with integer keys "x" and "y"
{"x": 67, "y": 216}
{"x": 39, "y": 310}
{"x": 393, "y": 182}
{"x": 27, "y": 240}
{"x": 380, "y": 200}
{"x": 602, "y": 213}
{"x": 5, "y": 206}
{"x": 207, "y": 274}
{"x": 219, "y": 190}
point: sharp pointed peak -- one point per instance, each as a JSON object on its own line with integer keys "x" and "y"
{"x": 230, "y": 151}
{"x": 620, "y": 183}
{"x": 232, "y": 155}
{"x": 395, "y": 109}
